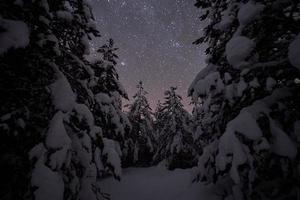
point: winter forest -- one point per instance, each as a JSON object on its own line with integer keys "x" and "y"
{"x": 69, "y": 129}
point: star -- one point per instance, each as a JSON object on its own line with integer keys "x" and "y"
{"x": 154, "y": 38}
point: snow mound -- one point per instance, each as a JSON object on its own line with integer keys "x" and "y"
{"x": 44, "y": 178}
{"x": 294, "y": 52}
{"x": 15, "y": 35}
{"x": 226, "y": 20}
{"x": 103, "y": 98}
{"x": 201, "y": 75}
{"x": 112, "y": 151}
{"x": 249, "y": 12}
{"x": 62, "y": 94}
{"x": 64, "y": 15}
{"x": 238, "y": 49}
{"x": 85, "y": 113}
{"x": 37, "y": 151}
{"x": 208, "y": 83}
{"x": 57, "y": 136}
{"x": 246, "y": 124}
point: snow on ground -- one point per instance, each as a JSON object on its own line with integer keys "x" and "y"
{"x": 156, "y": 183}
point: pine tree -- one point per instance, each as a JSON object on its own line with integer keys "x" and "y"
{"x": 142, "y": 132}
{"x": 27, "y": 72}
{"x": 176, "y": 145}
{"x": 52, "y": 146}
{"x": 249, "y": 98}
{"x": 108, "y": 91}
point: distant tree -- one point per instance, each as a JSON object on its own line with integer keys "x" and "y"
{"x": 249, "y": 96}
{"x": 176, "y": 145}
{"x": 142, "y": 132}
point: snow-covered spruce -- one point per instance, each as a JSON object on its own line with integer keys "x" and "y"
{"x": 107, "y": 103}
{"x": 54, "y": 146}
{"x": 248, "y": 99}
{"x": 175, "y": 139}
{"x": 142, "y": 132}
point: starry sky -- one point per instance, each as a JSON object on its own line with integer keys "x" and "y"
{"x": 155, "y": 43}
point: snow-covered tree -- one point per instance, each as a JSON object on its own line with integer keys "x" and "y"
{"x": 25, "y": 107}
{"x": 108, "y": 91}
{"x": 52, "y": 147}
{"x": 142, "y": 133}
{"x": 249, "y": 96}
{"x": 175, "y": 142}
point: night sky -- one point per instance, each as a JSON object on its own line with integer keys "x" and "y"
{"x": 155, "y": 40}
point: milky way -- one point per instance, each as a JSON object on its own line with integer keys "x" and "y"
{"x": 155, "y": 40}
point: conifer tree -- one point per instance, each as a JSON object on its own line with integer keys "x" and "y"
{"x": 108, "y": 91}
{"x": 142, "y": 132}
{"x": 52, "y": 146}
{"x": 249, "y": 98}
{"x": 176, "y": 145}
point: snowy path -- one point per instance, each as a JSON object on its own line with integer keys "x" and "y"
{"x": 155, "y": 183}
